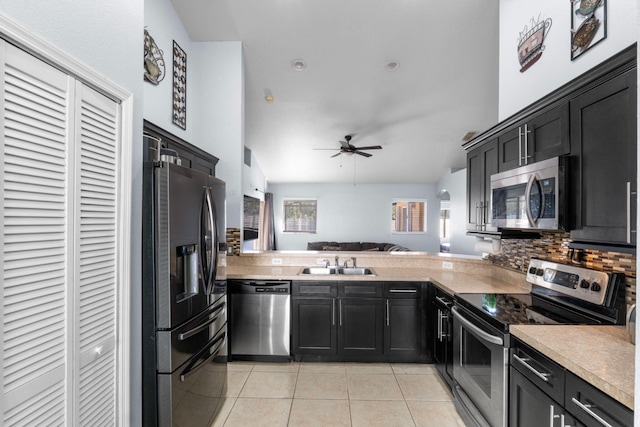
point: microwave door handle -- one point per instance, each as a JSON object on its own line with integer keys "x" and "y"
{"x": 533, "y": 222}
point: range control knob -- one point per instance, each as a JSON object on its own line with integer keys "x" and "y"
{"x": 532, "y": 270}
{"x": 595, "y": 287}
{"x": 584, "y": 284}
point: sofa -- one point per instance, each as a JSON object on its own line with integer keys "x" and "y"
{"x": 355, "y": 246}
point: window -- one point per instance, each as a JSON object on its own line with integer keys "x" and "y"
{"x": 409, "y": 216}
{"x": 300, "y": 215}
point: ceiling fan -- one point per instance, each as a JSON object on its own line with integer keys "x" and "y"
{"x": 347, "y": 148}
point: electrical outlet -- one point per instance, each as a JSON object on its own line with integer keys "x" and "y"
{"x": 447, "y": 265}
{"x": 276, "y": 261}
{"x": 321, "y": 261}
{"x": 276, "y": 271}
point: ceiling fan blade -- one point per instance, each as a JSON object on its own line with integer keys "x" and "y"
{"x": 362, "y": 154}
{"x": 332, "y": 149}
{"x": 371, "y": 147}
{"x": 336, "y": 155}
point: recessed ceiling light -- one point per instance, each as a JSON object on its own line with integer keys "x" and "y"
{"x": 268, "y": 96}
{"x": 298, "y": 64}
{"x": 391, "y": 65}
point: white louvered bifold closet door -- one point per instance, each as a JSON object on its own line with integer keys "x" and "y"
{"x": 95, "y": 269}
{"x": 59, "y": 247}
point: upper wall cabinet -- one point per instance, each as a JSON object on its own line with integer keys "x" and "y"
{"x": 603, "y": 167}
{"x": 539, "y": 137}
{"x": 482, "y": 162}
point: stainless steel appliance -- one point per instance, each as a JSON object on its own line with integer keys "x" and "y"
{"x": 531, "y": 196}
{"x": 184, "y": 310}
{"x": 260, "y": 319}
{"x": 561, "y": 294}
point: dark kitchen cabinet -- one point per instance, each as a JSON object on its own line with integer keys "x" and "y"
{"x": 403, "y": 327}
{"x": 543, "y": 393}
{"x": 589, "y": 404}
{"x": 190, "y": 156}
{"x": 442, "y": 336}
{"x": 603, "y": 168}
{"x": 357, "y": 321}
{"x": 482, "y": 162}
{"x": 538, "y": 137}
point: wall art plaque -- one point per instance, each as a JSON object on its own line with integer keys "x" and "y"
{"x": 179, "y": 86}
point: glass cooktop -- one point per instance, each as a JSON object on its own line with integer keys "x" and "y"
{"x": 502, "y": 310}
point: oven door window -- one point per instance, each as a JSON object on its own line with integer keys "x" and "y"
{"x": 476, "y": 361}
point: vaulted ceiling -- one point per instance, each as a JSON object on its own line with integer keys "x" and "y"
{"x": 445, "y": 84}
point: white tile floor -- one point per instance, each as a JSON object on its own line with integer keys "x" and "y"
{"x": 335, "y": 394}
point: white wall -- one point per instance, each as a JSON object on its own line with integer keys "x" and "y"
{"x": 357, "y": 213}
{"x": 456, "y": 184}
{"x": 555, "y": 67}
{"x": 218, "y": 75}
{"x": 107, "y": 37}
{"x": 215, "y": 98}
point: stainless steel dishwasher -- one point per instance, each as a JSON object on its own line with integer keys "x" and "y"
{"x": 260, "y": 319}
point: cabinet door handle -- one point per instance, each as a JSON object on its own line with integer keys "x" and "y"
{"x": 519, "y": 146}
{"x": 544, "y": 377}
{"x": 526, "y": 143}
{"x": 387, "y": 312}
{"x": 587, "y": 409}
{"x": 443, "y": 334}
{"x": 629, "y": 202}
{"x": 439, "y": 325}
{"x": 553, "y": 416}
{"x": 403, "y": 291}
{"x": 333, "y": 311}
{"x": 444, "y": 302}
{"x": 340, "y": 310}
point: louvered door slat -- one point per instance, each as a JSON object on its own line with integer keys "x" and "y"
{"x": 35, "y": 106}
{"x": 96, "y": 269}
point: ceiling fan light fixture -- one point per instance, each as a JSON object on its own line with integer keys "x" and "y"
{"x": 391, "y": 66}
{"x": 298, "y": 64}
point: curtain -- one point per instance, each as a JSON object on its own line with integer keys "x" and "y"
{"x": 268, "y": 225}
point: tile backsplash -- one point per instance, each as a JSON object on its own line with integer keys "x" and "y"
{"x": 554, "y": 246}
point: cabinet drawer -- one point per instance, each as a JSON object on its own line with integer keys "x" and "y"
{"x": 311, "y": 288}
{"x": 403, "y": 290}
{"x": 539, "y": 369}
{"x": 587, "y": 404}
{"x": 360, "y": 289}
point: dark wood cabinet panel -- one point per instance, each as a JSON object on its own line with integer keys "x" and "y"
{"x": 403, "y": 327}
{"x": 314, "y": 326}
{"x": 603, "y": 167}
{"x": 482, "y": 162}
{"x": 352, "y": 320}
{"x": 528, "y": 405}
{"x": 190, "y": 156}
{"x": 587, "y": 403}
{"x": 360, "y": 335}
{"x": 539, "y": 137}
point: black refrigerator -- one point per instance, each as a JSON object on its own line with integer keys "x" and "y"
{"x": 184, "y": 307}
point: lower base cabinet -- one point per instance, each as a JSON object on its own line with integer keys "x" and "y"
{"x": 543, "y": 393}
{"x": 357, "y": 321}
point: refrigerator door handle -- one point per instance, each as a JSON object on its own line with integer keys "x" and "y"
{"x": 194, "y": 367}
{"x": 207, "y": 219}
{"x": 215, "y": 240}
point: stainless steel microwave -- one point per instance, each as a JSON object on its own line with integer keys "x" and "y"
{"x": 531, "y": 196}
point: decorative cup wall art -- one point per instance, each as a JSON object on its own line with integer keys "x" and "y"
{"x": 588, "y": 25}
{"x": 531, "y": 42}
{"x": 153, "y": 60}
{"x": 179, "y": 86}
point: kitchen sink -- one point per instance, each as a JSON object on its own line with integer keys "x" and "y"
{"x": 347, "y": 271}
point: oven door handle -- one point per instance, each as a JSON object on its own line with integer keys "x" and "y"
{"x": 475, "y": 330}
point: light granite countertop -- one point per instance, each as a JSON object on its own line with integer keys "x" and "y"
{"x": 600, "y": 355}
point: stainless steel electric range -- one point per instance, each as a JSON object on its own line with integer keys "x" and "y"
{"x": 561, "y": 294}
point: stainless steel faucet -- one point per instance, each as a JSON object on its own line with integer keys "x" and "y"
{"x": 353, "y": 261}
{"x": 337, "y": 263}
